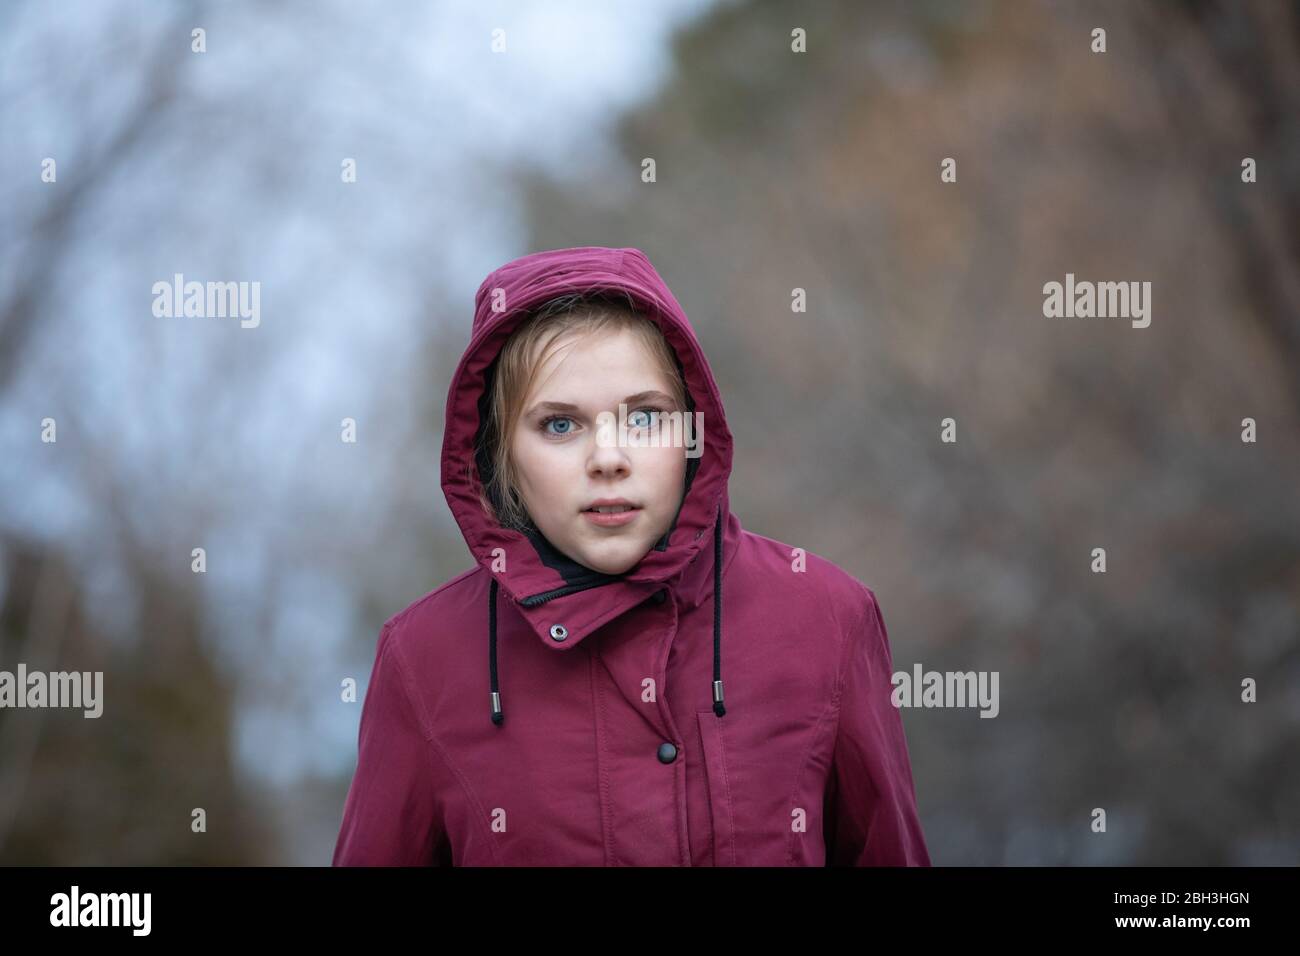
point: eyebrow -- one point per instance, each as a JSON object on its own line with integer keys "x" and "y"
{"x": 649, "y": 395}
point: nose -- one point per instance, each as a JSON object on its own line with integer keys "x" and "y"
{"x": 608, "y": 460}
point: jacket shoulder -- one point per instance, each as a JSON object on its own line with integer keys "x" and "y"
{"x": 448, "y": 603}
{"x": 816, "y": 576}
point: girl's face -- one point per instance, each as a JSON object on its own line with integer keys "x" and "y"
{"x": 563, "y": 469}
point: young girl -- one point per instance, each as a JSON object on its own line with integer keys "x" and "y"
{"x": 562, "y": 703}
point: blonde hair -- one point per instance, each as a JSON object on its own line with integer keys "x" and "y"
{"x": 515, "y": 369}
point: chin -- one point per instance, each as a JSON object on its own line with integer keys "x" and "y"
{"x": 611, "y": 563}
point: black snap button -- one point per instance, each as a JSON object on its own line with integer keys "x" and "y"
{"x": 660, "y": 596}
{"x": 559, "y": 632}
{"x": 667, "y": 752}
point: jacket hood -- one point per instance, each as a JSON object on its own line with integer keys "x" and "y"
{"x": 562, "y": 600}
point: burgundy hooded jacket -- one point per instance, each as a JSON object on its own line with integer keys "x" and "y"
{"x": 532, "y": 711}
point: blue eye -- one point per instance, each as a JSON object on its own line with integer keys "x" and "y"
{"x": 559, "y": 419}
{"x": 641, "y": 418}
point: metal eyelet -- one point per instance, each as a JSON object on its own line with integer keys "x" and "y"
{"x": 559, "y": 632}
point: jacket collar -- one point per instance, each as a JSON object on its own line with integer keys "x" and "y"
{"x": 694, "y": 585}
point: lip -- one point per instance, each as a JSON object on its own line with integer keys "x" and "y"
{"x": 602, "y": 502}
{"x": 615, "y": 520}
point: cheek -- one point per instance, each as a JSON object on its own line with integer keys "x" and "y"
{"x": 665, "y": 468}
{"x": 540, "y": 464}
{"x": 524, "y": 456}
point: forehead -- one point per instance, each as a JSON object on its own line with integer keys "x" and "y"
{"x": 617, "y": 357}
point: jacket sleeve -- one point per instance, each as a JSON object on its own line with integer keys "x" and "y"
{"x": 869, "y": 815}
{"x": 391, "y": 816}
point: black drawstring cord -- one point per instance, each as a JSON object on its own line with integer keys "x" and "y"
{"x": 718, "y": 708}
{"x": 497, "y": 716}
{"x": 717, "y": 616}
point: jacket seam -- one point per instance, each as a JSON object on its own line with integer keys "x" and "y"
{"x": 602, "y": 774}
{"x": 680, "y": 790}
{"x": 436, "y": 746}
{"x": 818, "y": 733}
{"x": 833, "y": 705}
